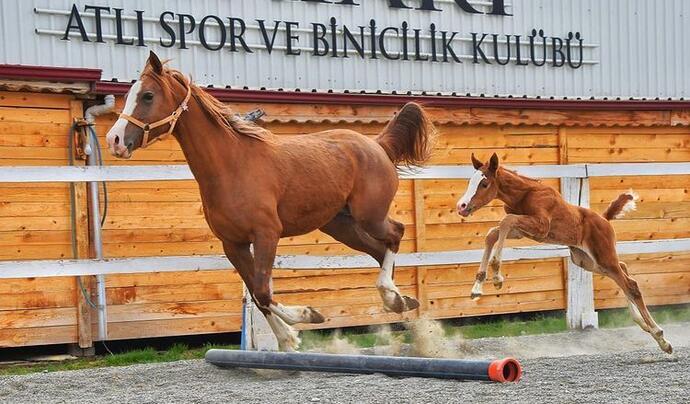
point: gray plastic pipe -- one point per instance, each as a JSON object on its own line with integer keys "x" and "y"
{"x": 94, "y": 218}
{"x": 502, "y": 371}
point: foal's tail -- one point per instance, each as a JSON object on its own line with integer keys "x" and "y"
{"x": 625, "y": 203}
{"x": 408, "y": 137}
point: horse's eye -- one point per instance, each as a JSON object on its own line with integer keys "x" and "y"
{"x": 485, "y": 185}
{"x": 148, "y": 96}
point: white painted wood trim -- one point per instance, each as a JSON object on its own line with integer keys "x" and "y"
{"x": 182, "y": 172}
{"x": 50, "y": 268}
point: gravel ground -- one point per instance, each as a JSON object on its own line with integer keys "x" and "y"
{"x": 558, "y": 368}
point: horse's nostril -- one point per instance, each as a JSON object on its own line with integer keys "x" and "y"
{"x": 117, "y": 139}
{"x": 463, "y": 206}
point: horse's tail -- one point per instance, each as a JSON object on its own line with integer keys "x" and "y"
{"x": 625, "y": 203}
{"x": 408, "y": 137}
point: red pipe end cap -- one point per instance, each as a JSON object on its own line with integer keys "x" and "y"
{"x": 506, "y": 370}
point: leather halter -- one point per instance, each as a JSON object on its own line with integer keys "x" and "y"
{"x": 171, "y": 119}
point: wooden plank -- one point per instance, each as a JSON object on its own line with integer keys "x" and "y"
{"x": 10, "y": 338}
{"x": 38, "y": 318}
{"x": 42, "y": 299}
{"x": 173, "y": 293}
{"x": 34, "y": 100}
{"x": 30, "y": 115}
{"x": 175, "y": 327}
{"x": 465, "y": 274}
{"x": 174, "y": 310}
{"x": 84, "y": 284}
{"x": 632, "y": 155}
{"x": 623, "y": 139}
{"x": 516, "y": 286}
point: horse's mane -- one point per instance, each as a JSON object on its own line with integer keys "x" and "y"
{"x": 214, "y": 109}
{"x": 524, "y": 177}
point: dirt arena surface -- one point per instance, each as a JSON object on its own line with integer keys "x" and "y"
{"x": 622, "y": 365}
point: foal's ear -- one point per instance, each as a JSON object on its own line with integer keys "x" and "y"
{"x": 493, "y": 163}
{"x": 476, "y": 163}
{"x": 155, "y": 63}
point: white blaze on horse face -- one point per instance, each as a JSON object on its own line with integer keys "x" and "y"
{"x": 117, "y": 132}
{"x": 464, "y": 202}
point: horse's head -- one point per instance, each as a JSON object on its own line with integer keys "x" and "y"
{"x": 482, "y": 188}
{"x": 152, "y": 107}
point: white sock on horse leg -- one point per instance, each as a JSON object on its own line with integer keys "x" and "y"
{"x": 288, "y": 337}
{"x": 296, "y": 314}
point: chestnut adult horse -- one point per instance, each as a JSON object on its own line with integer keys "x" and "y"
{"x": 538, "y": 212}
{"x": 257, "y": 187}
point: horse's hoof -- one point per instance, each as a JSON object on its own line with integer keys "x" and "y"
{"x": 401, "y": 304}
{"x": 315, "y": 317}
{"x": 666, "y": 347}
{"x": 475, "y": 296}
{"x": 410, "y": 303}
{"x": 498, "y": 283}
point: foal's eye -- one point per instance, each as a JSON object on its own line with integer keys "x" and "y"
{"x": 148, "y": 96}
{"x": 485, "y": 185}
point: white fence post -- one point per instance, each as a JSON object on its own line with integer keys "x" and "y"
{"x": 580, "y": 312}
{"x": 256, "y": 333}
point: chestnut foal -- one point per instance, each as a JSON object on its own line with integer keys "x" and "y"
{"x": 538, "y": 212}
{"x": 257, "y": 187}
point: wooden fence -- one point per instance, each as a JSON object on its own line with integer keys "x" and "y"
{"x": 150, "y": 219}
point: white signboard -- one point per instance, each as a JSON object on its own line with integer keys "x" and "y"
{"x": 573, "y": 48}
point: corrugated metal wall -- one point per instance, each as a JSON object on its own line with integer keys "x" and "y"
{"x": 633, "y": 48}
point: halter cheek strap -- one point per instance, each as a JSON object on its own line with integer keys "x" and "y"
{"x": 170, "y": 119}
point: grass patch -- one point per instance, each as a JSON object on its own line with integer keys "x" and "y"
{"x": 511, "y": 328}
{"x": 176, "y": 352}
{"x": 616, "y": 318}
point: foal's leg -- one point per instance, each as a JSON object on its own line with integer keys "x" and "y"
{"x": 618, "y": 271}
{"x": 344, "y": 229}
{"x": 515, "y": 227}
{"x": 490, "y": 240}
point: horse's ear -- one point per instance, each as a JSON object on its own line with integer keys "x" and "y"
{"x": 476, "y": 163}
{"x": 493, "y": 163}
{"x": 155, "y": 63}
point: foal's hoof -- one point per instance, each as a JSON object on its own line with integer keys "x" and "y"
{"x": 498, "y": 282}
{"x": 666, "y": 347}
{"x": 314, "y": 317}
{"x": 475, "y": 296}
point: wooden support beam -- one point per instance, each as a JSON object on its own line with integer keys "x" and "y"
{"x": 81, "y": 231}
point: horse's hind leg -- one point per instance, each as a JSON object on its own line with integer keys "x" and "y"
{"x": 584, "y": 261}
{"x": 345, "y": 229}
{"x": 618, "y": 271}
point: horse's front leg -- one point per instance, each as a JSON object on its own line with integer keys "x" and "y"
{"x": 490, "y": 241}
{"x": 516, "y": 227}
{"x": 279, "y": 317}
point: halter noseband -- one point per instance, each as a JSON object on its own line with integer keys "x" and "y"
{"x": 171, "y": 119}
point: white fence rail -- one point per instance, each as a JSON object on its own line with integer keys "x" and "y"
{"x": 182, "y": 172}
